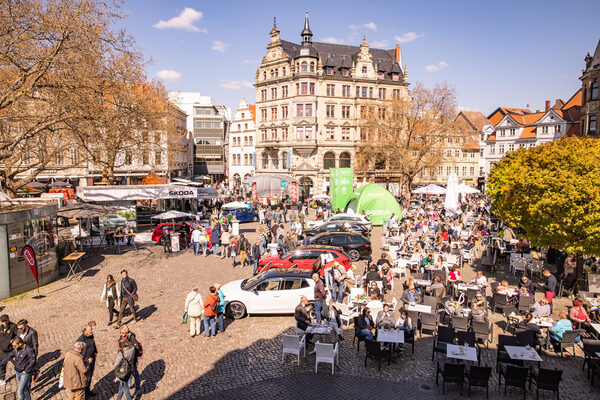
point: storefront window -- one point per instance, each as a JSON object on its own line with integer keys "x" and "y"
{"x": 40, "y": 235}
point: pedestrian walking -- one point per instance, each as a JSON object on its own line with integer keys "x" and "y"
{"x": 204, "y": 241}
{"x": 225, "y": 240}
{"x": 269, "y": 217}
{"x": 123, "y": 367}
{"x": 244, "y": 247}
{"x": 89, "y": 355}
{"x": 211, "y": 305}
{"x": 8, "y": 331}
{"x": 139, "y": 351}
{"x": 255, "y": 252}
{"x": 24, "y": 361}
{"x": 285, "y": 212}
{"x": 128, "y": 297}
{"x": 194, "y": 309}
{"x": 196, "y": 237}
{"x": 221, "y": 308}
{"x": 215, "y": 239}
{"x": 29, "y": 335}
{"x": 111, "y": 297}
{"x": 74, "y": 372}
{"x": 233, "y": 249}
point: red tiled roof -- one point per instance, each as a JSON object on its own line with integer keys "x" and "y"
{"x": 252, "y": 108}
{"x": 573, "y": 130}
{"x": 528, "y": 132}
{"x": 575, "y": 100}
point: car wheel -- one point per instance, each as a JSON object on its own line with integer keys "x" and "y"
{"x": 236, "y": 310}
{"x": 354, "y": 255}
{"x": 162, "y": 241}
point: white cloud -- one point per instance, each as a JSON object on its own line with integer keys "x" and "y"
{"x": 409, "y": 37}
{"x": 436, "y": 67}
{"x": 219, "y": 46}
{"x": 371, "y": 25}
{"x": 379, "y": 43}
{"x": 333, "y": 40}
{"x": 354, "y": 27}
{"x": 184, "y": 21}
{"x": 168, "y": 75}
{"x": 247, "y": 61}
{"x": 235, "y": 85}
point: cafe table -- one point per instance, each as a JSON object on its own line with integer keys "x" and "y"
{"x": 74, "y": 262}
{"x": 523, "y": 353}
{"x": 465, "y": 353}
{"x": 323, "y": 330}
{"x": 419, "y": 308}
{"x": 597, "y": 329}
{"x": 391, "y": 336}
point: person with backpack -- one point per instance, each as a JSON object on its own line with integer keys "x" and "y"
{"x": 139, "y": 352}
{"x": 128, "y": 298}
{"x": 123, "y": 367}
{"x": 194, "y": 308}
{"x": 211, "y": 306}
{"x": 221, "y": 308}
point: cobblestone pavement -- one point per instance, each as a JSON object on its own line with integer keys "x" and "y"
{"x": 244, "y": 361}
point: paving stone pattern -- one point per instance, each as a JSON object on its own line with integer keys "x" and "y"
{"x": 245, "y": 361}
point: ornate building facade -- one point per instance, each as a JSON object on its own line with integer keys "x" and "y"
{"x": 309, "y": 99}
{"x": 590, "y": 110}
{"x": 242, "y": 137}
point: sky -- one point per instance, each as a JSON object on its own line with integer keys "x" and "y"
{"x": 508, "y": 53}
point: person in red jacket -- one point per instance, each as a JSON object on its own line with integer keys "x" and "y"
{"x": 210, "y": 311}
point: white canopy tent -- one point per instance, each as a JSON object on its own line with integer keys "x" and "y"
{"x": 173, "y": 214}
{"x": 430, "y": 189}
{"x": 321, "y": 196}
{"x": 466, "y": 189}
{"x": 234, "y": 205}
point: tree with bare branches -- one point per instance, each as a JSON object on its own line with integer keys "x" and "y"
{"x": 402, "y": 137}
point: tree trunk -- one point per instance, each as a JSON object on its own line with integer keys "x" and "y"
{"x": 579, "y": 273}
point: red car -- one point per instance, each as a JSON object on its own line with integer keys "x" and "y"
{"x": 157, "y": 233}
{"x": 304, "y": 258}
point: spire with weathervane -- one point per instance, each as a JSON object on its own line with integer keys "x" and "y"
{"x": 306, "y": 32}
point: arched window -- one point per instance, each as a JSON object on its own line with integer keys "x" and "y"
{"x": 283, "y": 71}
{"x": 250, "y": 161}
{"x": 594, "y": 91}
{"x": 312, "y": 66}
{"x": 304, "y": 66}
{"x": 364, "y": 69}
{"x": 243, "y": 115}
{"x": 239, "y": 127}
{"x": 345, "y": 160}
{"x": 245, "y": 127}
{"x": 245, "y": 159}
{"x": 329, "y": 160}
{"x": 277, "y": 73}
{"x": 265, "y": 75}
{"x": 272, "y": 74}
{"x": 265, "y": 161}
{"x": 274, "y": 160}
{"x": 284, "y": 160}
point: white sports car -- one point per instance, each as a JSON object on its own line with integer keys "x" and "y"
{"x": 275, "y": 291}
{"x": 343, "y": 217}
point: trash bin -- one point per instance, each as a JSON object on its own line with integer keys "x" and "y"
{"x": 235, "y": 227}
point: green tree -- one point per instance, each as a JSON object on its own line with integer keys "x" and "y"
{"x": 553, "y": 192}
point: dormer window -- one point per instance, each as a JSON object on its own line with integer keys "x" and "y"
{"x": 304, "y": 66}
{"x": 381, "y": 75}
{"x": 364, "y": 70}
{"x": 312, "y": 66}
{"x": 345, "y": 72}
{"x": 395, "y": 77}
{"x": 329, "y": 70}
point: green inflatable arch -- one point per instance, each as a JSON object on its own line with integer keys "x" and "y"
{"x": 377, "y": 203}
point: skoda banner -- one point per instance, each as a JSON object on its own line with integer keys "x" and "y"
{"x": 340, "y": 187}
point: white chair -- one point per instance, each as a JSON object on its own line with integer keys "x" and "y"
{"x": 347, "y": 313}
{"x": 327, "y": 353}
{"x": 394, "y": 305}
{"x": 415, "y": 260}
{"x": 400, "y": 268}
{"x": 292, "y": 344}
{"x": 536, "y": 267}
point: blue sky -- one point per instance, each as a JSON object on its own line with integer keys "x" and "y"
{"x": 495, "y": 53}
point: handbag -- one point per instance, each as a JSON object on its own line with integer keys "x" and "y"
{"x": 185, "y": 318}
{"x": 135, "y": 296}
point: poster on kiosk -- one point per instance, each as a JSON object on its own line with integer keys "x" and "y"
{"x": 340, "y": 187}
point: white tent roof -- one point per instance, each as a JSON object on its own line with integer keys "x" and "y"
{"x": 235, "y": 205}
{"x": 173, "y": 214}
{"x": 466, "y": 189}
{"x": 430, "y": 189}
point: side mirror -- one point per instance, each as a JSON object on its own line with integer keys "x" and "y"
{"x": 255, "y": 291}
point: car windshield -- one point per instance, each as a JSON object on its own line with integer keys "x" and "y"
{"x": 287, "y": 255}
{"x": 250, "y": 282}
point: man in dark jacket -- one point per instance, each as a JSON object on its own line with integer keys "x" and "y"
{"x": 128, "y": 295}
{"x": 29, "y": 335}
{"x": 549, "y": 286}
{"x": 215, "y": 239}
{"x": 89, "y": 355}
{"x": 24, "y": 360}
{"x": 243, "y": 248}
{"x": 8, "y": 331}
{"x": 320, "y": 296}
{"x": 255, "y": 255}
{"x": 302, "y": 318}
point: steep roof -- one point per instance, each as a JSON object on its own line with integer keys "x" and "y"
{"x": 596, "y": 58}
{"x": 573, "y": 129}
{"x": 252, "y": 108}
{"x": 476, "y": 119}
{"x": 528, "y": 132}
{"x": 342, "y": 56}
{"x": 575, "y": 100}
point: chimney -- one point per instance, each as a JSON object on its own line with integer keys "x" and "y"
{"x": 547, "y": 105}
{"x": 397, "y": 53}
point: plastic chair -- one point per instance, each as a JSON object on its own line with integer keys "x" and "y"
{"x": 568, "y": 340}
{"x": 429, "y": 322}
{"x": 374, "y": 352}
{"x": 484, "y": 331}
{"x": 327, "y": 353}
{"x": 430, "y": 301}
{"x": 546, "y": 379}
{"x": 479, "y": 377}
{"x": 460, "y": 323}
{"x": 292, "y": 344}
{"x": 525, "y": 303}
{"x": 512, "y": 319}
{"x": 513, "y": 376}
{"x": 500, "y": 302}
{"x": 501, "y": 354}
{"x": 444, "y": 336}
{"x": 590, "y": 348}
{"x": 451, "y": 372}
{"x": 347, "y": 313}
